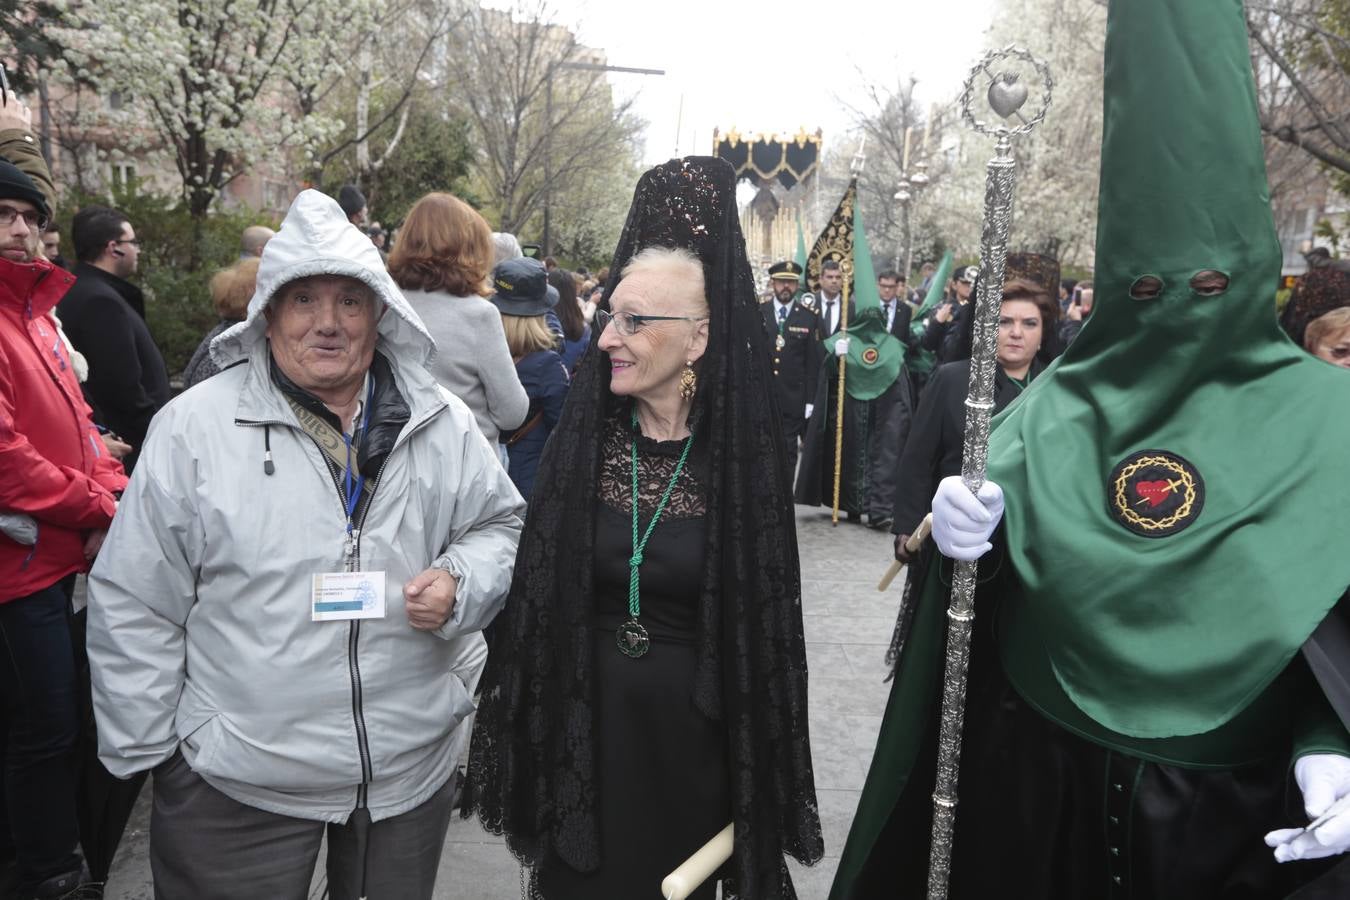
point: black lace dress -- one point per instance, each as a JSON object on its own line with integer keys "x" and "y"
{"x": 664, "y": 786}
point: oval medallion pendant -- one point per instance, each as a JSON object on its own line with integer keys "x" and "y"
{"x": 632, "y": 639}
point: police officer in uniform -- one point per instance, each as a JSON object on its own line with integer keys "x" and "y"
{"x": 791, "y": 324}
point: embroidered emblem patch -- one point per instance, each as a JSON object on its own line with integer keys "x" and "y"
{"x": 869, "y": 356}
{"x": 1155, "y": 493}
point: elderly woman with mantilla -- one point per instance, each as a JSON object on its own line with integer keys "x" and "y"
{"x": 647, "y": 681}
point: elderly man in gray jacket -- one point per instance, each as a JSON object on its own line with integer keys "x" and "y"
{"x": 313, "y": 540}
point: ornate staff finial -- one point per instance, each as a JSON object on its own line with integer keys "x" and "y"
{"x": 855, "y": 167}
{"x": 1006, "y": 94}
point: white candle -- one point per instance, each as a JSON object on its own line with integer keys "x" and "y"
{"x": 698, "y": 868}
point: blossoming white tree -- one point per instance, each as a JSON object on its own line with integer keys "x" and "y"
{"x": 210, "y": 79}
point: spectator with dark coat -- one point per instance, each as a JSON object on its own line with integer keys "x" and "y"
{"x": 353, "y": 204}
{"x": 104, "y": 317}
{"x": 948, "y": 319}
{"x": 933, "y": 448}
{"x": 523, "y": 295}
{"x": 54, "y": 471}
{"x": 576, "y": 335}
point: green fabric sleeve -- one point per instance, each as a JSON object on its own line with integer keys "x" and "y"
{"x": 1317, "y": 728}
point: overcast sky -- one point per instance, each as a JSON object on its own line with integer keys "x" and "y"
{"x": 773, "y": 66}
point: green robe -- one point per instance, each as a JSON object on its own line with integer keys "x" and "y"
{"x": 1175, "y": 483}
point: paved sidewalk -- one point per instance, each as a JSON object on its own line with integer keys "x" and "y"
{"x": 848, "y": 625}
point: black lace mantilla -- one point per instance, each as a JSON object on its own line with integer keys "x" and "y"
{"x": 532, "y": 767}
{"x": 657, "y": 461}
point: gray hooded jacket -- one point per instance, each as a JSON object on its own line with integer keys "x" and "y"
{"x": 200, "y": 631}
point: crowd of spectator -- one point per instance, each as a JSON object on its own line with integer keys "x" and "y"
{"x": 429, "y": 367}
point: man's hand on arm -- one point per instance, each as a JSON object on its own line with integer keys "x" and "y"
{"x": 117, "y": 448}
{"x": 93, "y": 542}
{"x": 430, "y": 599}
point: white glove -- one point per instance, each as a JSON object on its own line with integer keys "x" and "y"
{"x": 809, "y": 408}
{"x": 1324, "y": 779}
{"x": 841, "y": 347}
{"x": 19, "y": 528}
{"x": 963, "y": 522}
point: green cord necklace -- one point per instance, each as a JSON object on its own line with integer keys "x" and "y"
{"x": 632, "y": 637}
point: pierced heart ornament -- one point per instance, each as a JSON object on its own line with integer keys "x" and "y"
{"x": 1007, "y": 94}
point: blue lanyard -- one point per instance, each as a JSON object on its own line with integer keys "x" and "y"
{"x": 350, "y": 496}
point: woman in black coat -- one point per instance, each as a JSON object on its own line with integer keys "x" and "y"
{"x": 933, "y": 449}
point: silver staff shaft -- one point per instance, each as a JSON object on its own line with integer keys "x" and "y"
{"x": 979, "y": 406}
{"x": 1005, "y": 96}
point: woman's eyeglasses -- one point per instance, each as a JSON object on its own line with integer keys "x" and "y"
{"x": 629, "y": 323}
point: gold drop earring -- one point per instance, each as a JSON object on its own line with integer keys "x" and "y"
{"x": 688, "y": 381}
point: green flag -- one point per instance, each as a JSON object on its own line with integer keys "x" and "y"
{"x": 801, "y": 245}
{"x": 936, "y": 287}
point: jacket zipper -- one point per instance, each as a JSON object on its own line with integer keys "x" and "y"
{"x": 353, "y": 639}
{"x": 354, "y": 626}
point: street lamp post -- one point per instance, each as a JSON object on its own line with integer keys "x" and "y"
{"x": 548, "y": 135}
{"x": 910, "y": 185}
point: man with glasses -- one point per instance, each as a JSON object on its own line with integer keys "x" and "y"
{"x": 104, "y": 316}
{"x": 55, "y": 473}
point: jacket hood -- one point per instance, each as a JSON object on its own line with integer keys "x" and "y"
{"x": 317, "y": 239}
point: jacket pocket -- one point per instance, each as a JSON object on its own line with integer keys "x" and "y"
{"x": 198, "y": 727}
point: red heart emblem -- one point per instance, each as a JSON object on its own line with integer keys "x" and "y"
{"x": 1155, "y": 492}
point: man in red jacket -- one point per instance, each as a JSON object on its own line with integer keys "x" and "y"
{"x": 54, "y": 469}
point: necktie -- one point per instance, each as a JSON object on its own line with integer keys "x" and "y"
{"x": 888, "y": 315}
{"x": 782, "y": 314}
{"x": 829, "y": 315}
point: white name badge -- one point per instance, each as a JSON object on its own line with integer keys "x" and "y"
{"x": 337, "y": 596}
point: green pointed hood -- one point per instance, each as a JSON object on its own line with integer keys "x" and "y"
{"x": 1176, "y": 482}
{"x": 875, "y": 356}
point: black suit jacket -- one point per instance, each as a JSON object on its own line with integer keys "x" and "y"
{"x": 796, "y": 366}
{"x": 900, "y": 325}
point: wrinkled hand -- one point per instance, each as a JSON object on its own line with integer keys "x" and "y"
{"x": 963, "y": 522}
{"x": 1324, "y": 779}
{"x": 429, "y": 599}
{"x": 93, "y": 542}
{"x": 15, "y": 114}
{"x": 901, "y": 551}
{"x": 117, "y": 448}
{"x": 841, "y": 347}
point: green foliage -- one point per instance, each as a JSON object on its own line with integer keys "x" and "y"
{"x": 179, "y": 254}
{"x": 433, "y": 155}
